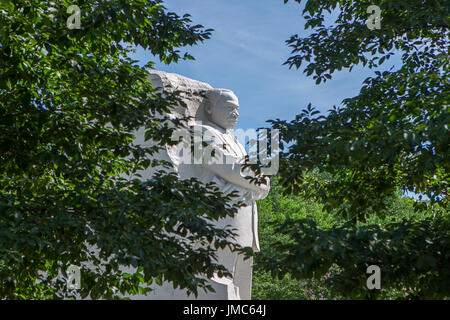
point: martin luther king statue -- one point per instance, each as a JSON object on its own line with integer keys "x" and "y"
{"x": 215, "y": 113}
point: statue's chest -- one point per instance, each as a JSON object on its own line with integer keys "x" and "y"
{"x": 232, "y": 146}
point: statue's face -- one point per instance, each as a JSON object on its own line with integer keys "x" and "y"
{"x": 225, "y": 112}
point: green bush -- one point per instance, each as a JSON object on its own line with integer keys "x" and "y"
{"x": 307, "y": 253}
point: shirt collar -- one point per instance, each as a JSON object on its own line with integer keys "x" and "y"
{"x": 217, "y": 127}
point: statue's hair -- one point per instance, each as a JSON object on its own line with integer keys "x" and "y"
{"x": 213, "y": 95}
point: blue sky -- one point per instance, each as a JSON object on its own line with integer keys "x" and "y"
{"x": 246, "y": 53}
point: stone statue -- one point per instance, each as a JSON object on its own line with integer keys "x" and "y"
{"x": 224, "y": 168}
{"x": 215, "y": 114}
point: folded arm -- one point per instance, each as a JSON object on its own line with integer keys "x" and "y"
{"x": 233, "y": 174}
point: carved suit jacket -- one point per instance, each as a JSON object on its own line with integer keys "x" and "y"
{"x": 225, "y": 145}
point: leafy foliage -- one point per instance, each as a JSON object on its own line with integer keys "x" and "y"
{"x": 70, "y": 185}
{"x": 393, "y": 136}
{"x": 395, "y": 132}
{"x": 349, "y": 250}
{"x": 335, "y": 254}
{"x": 274, "y": 210}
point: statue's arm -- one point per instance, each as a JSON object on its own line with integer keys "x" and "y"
{"x": 228, "y": 166}
{"x": 232, "y": 173}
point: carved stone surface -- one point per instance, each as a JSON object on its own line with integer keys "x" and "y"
{"x": 214, "y": 113}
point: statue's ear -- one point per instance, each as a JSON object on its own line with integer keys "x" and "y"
{"x": 208, "y": 108}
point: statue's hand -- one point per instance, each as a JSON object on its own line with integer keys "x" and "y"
{"x": 248, "y": 196}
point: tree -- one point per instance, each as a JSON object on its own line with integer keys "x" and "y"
{"x": 393, "y": 136}
{"x": 282, "y": 216}
{"x": 272, "y": 211}
{"x": 69, "y": 175}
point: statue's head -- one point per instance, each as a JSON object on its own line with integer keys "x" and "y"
{"x": 222, "y": 107}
